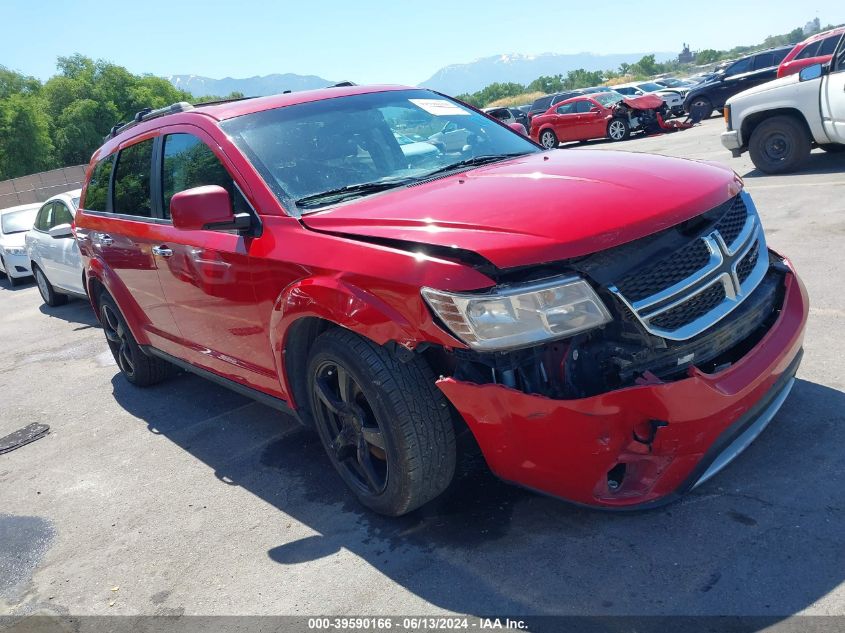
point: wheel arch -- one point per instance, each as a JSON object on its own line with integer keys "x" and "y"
{"x": 752, "y": 121}
{"x": 100, "y": 279}
{"x": 310, "y": 307}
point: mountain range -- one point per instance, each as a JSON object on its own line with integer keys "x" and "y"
{"x": 523, "y": 69}
{"x": 454, "y": 79}
{"x": 257, "y": 86}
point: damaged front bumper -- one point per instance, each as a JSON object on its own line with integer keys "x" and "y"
{"x": 643, "y": 445}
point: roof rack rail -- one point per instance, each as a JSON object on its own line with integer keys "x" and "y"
{"x": 148, "y": 113}
{"x": 219, "y": 101}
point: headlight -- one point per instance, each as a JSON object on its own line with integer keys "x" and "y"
{"x": 15, "y": 251}
{"x": 519, "y": 316}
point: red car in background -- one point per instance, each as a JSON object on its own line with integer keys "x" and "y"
{"x": 602, "y": 115}
{"x": 816, "y": 49}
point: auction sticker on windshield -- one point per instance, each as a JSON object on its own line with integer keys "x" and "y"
{"x": 439, "y": 107}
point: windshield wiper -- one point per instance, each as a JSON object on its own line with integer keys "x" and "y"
{"x": 349, "y": 191}
{"x": 475, "y": 161}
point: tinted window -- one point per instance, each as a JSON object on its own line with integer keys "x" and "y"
{"x": 583, "y": 106}
{"x": 766, "y": 60}
{"x": 568, "y": 108}
{"x": 742, "y": 66}
{"x": 829, "y": 45}
{"x": 810, "y": 50}
{"x": 98, "y": 186}
{"x": 542, "y": 104}
{"x": 42, "y": 220}
{"x": 132, "y": 180}
{"x": 61, "y": 215}
{"x": 189, "y": 163}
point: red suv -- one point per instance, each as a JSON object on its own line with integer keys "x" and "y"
{"x": 816, "y": 49}
{"x": 611, "y": 328}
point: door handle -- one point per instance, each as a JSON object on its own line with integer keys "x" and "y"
{"x": 105, "y": 239}
{"x": 163, "y": 251}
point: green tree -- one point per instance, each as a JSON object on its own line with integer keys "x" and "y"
{"x": 646, "y": 66}
{"x": 25, "y": 145}
{"x": 708, "y": 56}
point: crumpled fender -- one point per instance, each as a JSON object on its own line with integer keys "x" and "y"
{"x": 342, "y": 303}
{"x": 132, "y": 312}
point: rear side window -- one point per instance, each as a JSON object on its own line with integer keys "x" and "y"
{"x": 766, "y": 60}
{"x": 61, "y": 215}
{"x": 779, "y": 55}
{"x": 829, "y": 45}
{"x": 42, "y": 220}
{"x": 810, "y": 50}
{"x": 97, "y": 193}
{"x": 542, "y": 104}
{"x": 132, "y": 180}
{"x": 189, "y": 163}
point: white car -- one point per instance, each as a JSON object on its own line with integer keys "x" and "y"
{"x": 672, "y": 97}
{"x": 451, "y": 138}
{"x": 416, "y": 152}
{"x": 52, "y": 250}
{"x": 14, "y": 223}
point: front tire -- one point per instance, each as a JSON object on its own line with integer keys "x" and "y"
{"x": 136, "y": 366}
{"x": 618, "y": 130}
{"x": 702, "y": 105}
{"x": 48, "y": 293}
{"x": 548, "y": 139}
{"x": 779, "y": 145}
{"x": 386, "y": 427}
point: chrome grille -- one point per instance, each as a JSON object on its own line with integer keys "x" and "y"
{"x": 684, "y": 293}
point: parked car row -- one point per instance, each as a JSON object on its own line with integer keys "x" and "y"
{"x": 779, "y": 122}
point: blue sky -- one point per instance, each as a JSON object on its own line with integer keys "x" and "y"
{"x": 368, "y": 41}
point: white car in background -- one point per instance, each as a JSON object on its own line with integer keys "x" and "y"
{"x": 416, "y": 152}
{"x": 14, "y": 223}
{"x": 52, "y": 250}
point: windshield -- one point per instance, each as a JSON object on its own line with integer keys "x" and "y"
{"x": 18, "y": 221}
{"x": 608, "y": 98}
{"x": 309, "y": 149}
{"x": 650, "y": 87}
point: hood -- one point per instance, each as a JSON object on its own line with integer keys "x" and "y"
{"x": 789, "y": 80}
{"x": 644, "y": 102}
{"x": 543, "y": 207}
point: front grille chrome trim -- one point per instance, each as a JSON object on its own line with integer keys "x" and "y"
{"x": 720, "y": 269}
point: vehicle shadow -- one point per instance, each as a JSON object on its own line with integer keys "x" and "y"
{"x": 762, "y": 538}
{"x": 819, "y": 163}
{"x": 74, "y": 311}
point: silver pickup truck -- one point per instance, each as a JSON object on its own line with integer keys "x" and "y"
{"x": 779, "y": 122}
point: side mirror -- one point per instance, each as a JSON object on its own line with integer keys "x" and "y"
{"x": 60, "y": 231}
{"x": 595, "y": 109}
{"x": 208, "y": 207}
{"x": 811, "y": 72}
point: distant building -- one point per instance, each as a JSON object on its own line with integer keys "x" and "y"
{"x": 686, "y": 55}
{"x": 813, "y": 26}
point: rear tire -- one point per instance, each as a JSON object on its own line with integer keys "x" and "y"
{"x": 618, "y": 130}
{"x": 705, "y": 106}
{"x": 779, "y": 145}
{"x": 548, "y": 139}
{"x": 386, "y": 427}
{"x": 48, "y": 293}
{"x": 136, "y": 366}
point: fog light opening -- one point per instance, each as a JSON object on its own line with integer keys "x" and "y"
{"x": 615, "y": 477}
